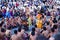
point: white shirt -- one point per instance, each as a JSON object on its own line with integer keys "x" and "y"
{"x": 39, "y": 7}
{"x": 51, "y": 38}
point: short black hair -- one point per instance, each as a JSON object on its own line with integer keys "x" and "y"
{"x": 15, "y": 31}
{"x": 42, "y": 10}
{"x": 44, "y": 28}
{"x": 33, "y": 29}
{"x": 32, "y": 33}
{"x": 58, "y": 9}
{"x": 55, "y": 26}
{"x": 35, "y": 26}
{"x": 54, "y": 21}
{"x": 3, "y": 30}
{"x": 42, "y": 16}
{"x": 19, "y": 29}
{"x": 52, "y": 30}
{"x": 47, "y": 23}
{"x": 9, "y": 28}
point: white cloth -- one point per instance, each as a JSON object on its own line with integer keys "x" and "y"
{"x": 51, "y": 38}
{"x": 7, "y": 9}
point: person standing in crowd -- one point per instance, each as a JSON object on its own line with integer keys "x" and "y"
{"x": 39, "y": 21}
{"x": 33, "y": 34}
{"x": 19, "y": 34}
{"x": 29, "y": 20}
{"x": 14, "y": 37}
{"x": 2, "y": 34}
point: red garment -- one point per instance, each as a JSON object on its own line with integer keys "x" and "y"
{"x": 17, "y": 4}
{"x": 4, "y": 11}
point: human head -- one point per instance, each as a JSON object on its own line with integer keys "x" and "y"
{"x": 3, "y": 30}
{"x": 19, "y": 29}
{"x": 32, "y": 33}
{"x": 15, "y": 31}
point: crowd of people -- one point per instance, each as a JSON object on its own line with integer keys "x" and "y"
{"x": 29, "y": 20}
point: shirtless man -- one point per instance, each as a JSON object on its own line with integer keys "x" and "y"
{"x": 2, "y": 34}
{"x": 14, "y": 37}
{"x": 33, "y": 36}
{"x": 20, "y": 34}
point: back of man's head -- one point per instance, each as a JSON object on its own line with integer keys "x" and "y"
{"x": 3, "y": 30}
{"x": 15, "y": 31}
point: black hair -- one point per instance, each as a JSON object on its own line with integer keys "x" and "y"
{"x": 19, "y": 29}
{"x": 33, "y": 29}
{"x": 52, "y": 29}
{"x": 47, "y": 23}
{"x": 42, "y": 16}
{"x": 35, "y": 26}
{"x": 55, "y": 26}
{"x": 44, "y": 28}
{"x": 58, "y": 9}
{"x": 45, "y": 14}
{"x": 42, "y": 10}
{"x": 9, "y": 28}
{"x": 3, "y": 30}
{"x": 54, "y": 21}
{"x": 15, "y": 31}
{"x": 54, "y": 18}
{"x": 32, "y": 33}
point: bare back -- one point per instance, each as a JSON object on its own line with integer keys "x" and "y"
{"x": 32, "y": 37}
{"x": 14, "y": 37}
